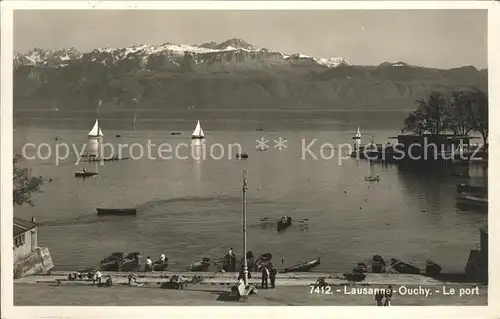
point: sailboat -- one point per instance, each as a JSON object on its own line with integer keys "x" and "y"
{"x": 96, "y": 132}
{"x": 357, "y": 136}
{"x": 95, "y": 138}
{"x": 198, "y": 132}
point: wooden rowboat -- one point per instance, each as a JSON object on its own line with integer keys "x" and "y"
{"x": 404, "y": 268}
{"x": 85, "y": 174}
{"x": 284, "y": 224}
{"x": 116, "y": 211}
{"x": 201, "y": 265}
{"x": 303, "y": 267}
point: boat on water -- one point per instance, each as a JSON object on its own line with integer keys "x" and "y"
{"x": 304, "y": 267}
{"x": 201, "y": 265}
{"x": 116, "y": 211}
{"x": 471, "y": 200}
{"x": 117, "y": 261}
{"x": 106, "y": 159}
{"x": 262, "y": 261}
{"x": 357, "y": 136}
{"x": 403, "y": 268}
{"x": 378, "y": 264}
{"x": 373, "y": 178}
{"x": 471, "y": 189}
{"x": 284, "y": 223}
{"x": 160, "y": 265}
{"x": 431, "y": 268}
{"x": 85, "y": 174}
{"x": 198, "y": 132}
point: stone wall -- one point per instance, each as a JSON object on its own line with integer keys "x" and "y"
{"x": 37, "y": 262}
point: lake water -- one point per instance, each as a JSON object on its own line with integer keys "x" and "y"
{"x": 189, "y": 209}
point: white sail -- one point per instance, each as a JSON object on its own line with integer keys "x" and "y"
{"x": 358, "y": 134}
{"x": 93, "y": 146}
{"x": 198, "y": 131}
{"x": 96, "y": 130}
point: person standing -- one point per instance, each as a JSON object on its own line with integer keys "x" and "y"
{"x": 379, "y": 296}
{"x": 149, "y": 265}
{"x": 265, "y": 277}
{"x": 388, "y": 296}
{"x": 272, "y": 276}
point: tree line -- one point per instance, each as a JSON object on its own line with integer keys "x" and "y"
{"x": 460, "y": 113}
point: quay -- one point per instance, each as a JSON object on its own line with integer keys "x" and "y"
{"x": 284, "y": 279}
{"x": 292, "y": 289}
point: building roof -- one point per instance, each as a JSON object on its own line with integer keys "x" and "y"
{"x": 21, "y": 226}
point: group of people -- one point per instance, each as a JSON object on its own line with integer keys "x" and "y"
{"x": 383, "y": 298}
{"x": 269, "y": 273}
{"x": 149, "y": 266}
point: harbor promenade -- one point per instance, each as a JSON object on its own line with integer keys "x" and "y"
{"x": 214, "y": 288}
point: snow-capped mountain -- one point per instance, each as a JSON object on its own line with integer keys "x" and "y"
{"x": 148, "y": 56}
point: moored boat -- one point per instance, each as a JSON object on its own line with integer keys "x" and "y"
{"x": 304, "y": 267}
{"x": 470, "y": 200}
{"x": 201, "y": 265}
{"x": 117, "y": 262}
{"x": 262, "y": 261}
{"x": 284, "y": 223}
{"x": 117, "y": 211}
{"x": 403, "y": 268}
{"x": 471, "y": 189}
{"x": 373, "y": 178}
{"x": 378, "y": 264}
{"x": 160, "y": 265}
{"x": 431, "y": 268}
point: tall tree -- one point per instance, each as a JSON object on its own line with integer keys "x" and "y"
{"x": 480, "y": 122}
{"x": 460, "y": 113}
{"x": 25, "y": 185}
{"x": 431, "y": 116}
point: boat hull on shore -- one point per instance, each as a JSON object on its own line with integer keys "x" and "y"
{"x": 303, "y": 267}
{"x": 404, "y": 268}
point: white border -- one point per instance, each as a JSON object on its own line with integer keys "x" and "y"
{"x": 8, "y": 311}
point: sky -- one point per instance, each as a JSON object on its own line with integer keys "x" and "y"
{"x": 430, "y": 38}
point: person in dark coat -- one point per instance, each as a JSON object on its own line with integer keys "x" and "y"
{"x": 388, "y": 296}
{"x": 272, "y": 276}
{"x": 378, "y": 297}
{"x": 265, "y": 277}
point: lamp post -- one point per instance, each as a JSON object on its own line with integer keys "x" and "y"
{"x": 245, "y": 265}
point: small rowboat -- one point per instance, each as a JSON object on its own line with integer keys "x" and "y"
{"x": 373, "y": 178}
{"x": 117, "y": 262}
{"x": 471, "y": 189}
{"x": 378, "y": 264}
{"x": 284, "y": 223}
{"x": 469, "y": 200}
{"x": 404, "y": 268}
{"x": 117, "y": 211}
{"x": 85, "y": 174}
{"x": 160, "y": 266}
{"x": 201, "y": 265}
{"x": 431, "y": 268}
{"x": 304, "y": 267}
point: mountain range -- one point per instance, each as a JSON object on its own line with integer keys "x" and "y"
{"x": 225, "y": 76}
